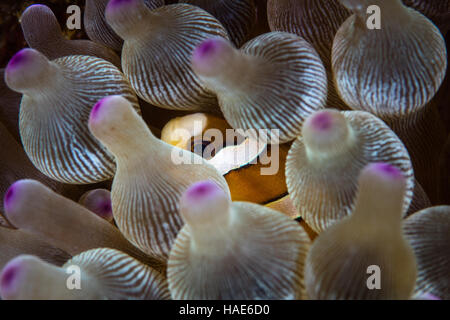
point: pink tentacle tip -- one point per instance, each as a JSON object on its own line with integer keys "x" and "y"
{"x": 9, "y": 275}
{"x": 386, "y": 169}
{"x": 202, "y": 190}
{"x": 10, "y": 196}
{"x": 208, "y": 49}
{"x": 95, "y": 112}
{"x": 18, "y": 59}
{"x": 322, "y": 121}
{"x": 104, "y": 209}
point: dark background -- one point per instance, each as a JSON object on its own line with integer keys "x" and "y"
{"x": 11, "y": 38}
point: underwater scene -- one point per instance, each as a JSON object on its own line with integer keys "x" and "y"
{"x": 224, "y": 150}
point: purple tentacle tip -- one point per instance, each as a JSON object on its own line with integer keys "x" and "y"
{"x": 106, "y": 206}
{"x": 206, "y": 49}
{"x": 386, "y": 169}
{"x": 18, "y": 59}
{"x": 104, "y": 209}
{"x": 9, "y": 197}
{"x": 96, "y": 108}
{"x": 201, "y": 190}
{"x": 323, "y": 121}
{"x": 9, "y": 274}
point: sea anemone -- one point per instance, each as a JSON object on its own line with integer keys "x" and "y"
{"x": 147, "y": 184}
{"x": 324, "y": 164}
{"x": 105, "y": 273}
{"x": 225, "y": 149}
{"x": 337, "y": 264}
{"x": 273, "y": 82}
{"x": 253, "y": 252}
{"x": 57, "y": 98}
{"x": 157, "y": 48}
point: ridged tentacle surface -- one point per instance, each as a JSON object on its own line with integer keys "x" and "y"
{"x": 366, "y": 255}
{"x": 96, "y": 27}
{"x": 339, "y": 263}
{"x": 419, "y": 201}
{"x": 437, "y": 11}
{"x": 16, "y": 165}
{"x": 429, "y": 8}
{"x": 317, "y": 21}
{"x": 53, "y": 126}
{"x": 150, "y": 178}
{"x": 146, "y": 194}
{"x": 158, "y": 64}
{"x": 264, "y": 261}
{"x": 393, "y": 71}
{"x": 325, "y": 191}
{"x": 423, "y": 134}
{"x": 428, "y": 232}
{"x": 237, "y": 16}
{"x": 34, "y": 208}
{"x": 120, "y": 276}
{"x": 285, "y": 83}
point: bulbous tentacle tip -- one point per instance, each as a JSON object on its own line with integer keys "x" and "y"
{"x": 9, "y": 196}
{"x": 126, "y": 17}
{"x": 37, "y": 7}
{"x": 203, "y": 190}
{"x": 322, "y": 121}
{"x": 208, "y": 48}
{"x": 11, "y": 275}
{"x": 99, "y": 202}
{"x": 20, "y": 59}
{"x": 208, "y": 55}
{"x": 203, "y": 202}
{"x": 25, "y": 68}
{"x": 109, "y": 117}
{"x": 104, "y": 210}
{"x": 383, "y": 184}
{"x": 15, "y": 193}
{"x": 7, "y": 278}
{"x": 39, "y": 24}
{"x": 103, "y": 107}
{"x": 325, "y": 129}
{"x": 96, "y": 109}
{"x": 8, "y": 274}
{"x": 383, "y": 170}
